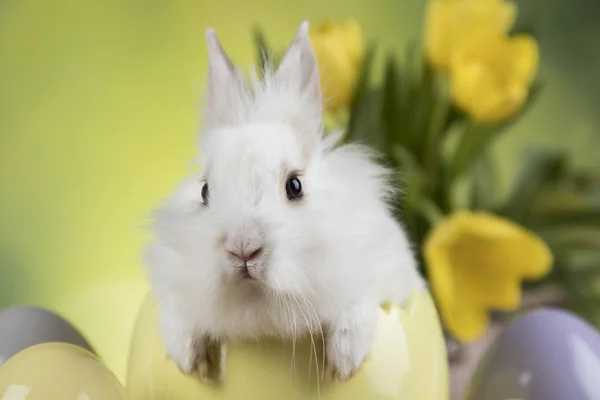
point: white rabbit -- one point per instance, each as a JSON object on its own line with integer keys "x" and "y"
{"x": 283, "y": 234}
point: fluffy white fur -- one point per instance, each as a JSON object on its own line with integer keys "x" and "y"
{"x": 328, "y": 261}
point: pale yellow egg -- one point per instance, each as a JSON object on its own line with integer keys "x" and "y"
{"x": 57, "y": 371}
{"x": 408, "y": 361}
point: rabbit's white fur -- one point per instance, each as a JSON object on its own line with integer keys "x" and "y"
{"x": 328, "y": 261}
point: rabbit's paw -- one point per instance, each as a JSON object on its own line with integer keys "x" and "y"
{"x": 194, "y": 355}
{"x": 349, "y": 343}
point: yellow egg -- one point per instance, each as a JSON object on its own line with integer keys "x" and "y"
{"x": 407, "y": 361}
{"x": 57, "y": 371}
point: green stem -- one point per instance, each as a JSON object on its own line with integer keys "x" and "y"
{"x": 468, "y": 143}
{"x": 431, "y": 212}
{"x": 442, "y": 192}
{"x": 438, "y": 114}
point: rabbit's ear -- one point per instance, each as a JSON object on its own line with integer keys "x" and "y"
{"x": 226, "y": 87}
{"x": 298, "y": 69}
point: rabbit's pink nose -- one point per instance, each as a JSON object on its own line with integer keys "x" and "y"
{"x": 246, "y": 254}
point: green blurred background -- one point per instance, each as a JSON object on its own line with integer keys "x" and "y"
{"x": 99, "y": 116}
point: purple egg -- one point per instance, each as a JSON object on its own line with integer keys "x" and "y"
{"x": 547, "y": 354}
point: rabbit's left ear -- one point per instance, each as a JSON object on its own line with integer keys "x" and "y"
{"x": 226, "y": 88}
{"x": 298, "y": 68}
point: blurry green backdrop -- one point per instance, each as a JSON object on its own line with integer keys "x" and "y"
{"x": 99, "y": 117}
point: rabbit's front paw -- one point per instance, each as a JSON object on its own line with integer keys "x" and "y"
{"x": 349, "y": 343}
{"x": 193, "y": 354}
{"x": 187, "y": 351}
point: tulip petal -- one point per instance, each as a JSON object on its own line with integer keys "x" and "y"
{"x": 449, "y": 24}
{"x": 476, "y": 262}
{"x": 435, "y": 26}
{"x": 467, "y": 321}
{"x": 441, "y": 272}
{"x": 354, "y": 42}
{"x": 339, "y": 50}
{"x": 492, "y": 288}
{"x": 527, "y": 57}
{"x": 503, "y": 245}
{"x": 490, "y": 75}
{"x": 464, "y": 318}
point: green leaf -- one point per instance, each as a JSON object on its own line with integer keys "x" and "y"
{"x": 406, "y": 159}
{"x": 365, "y": 120}
{"x": 263, "y": 50}
{"x": 572, "y": 238}
{"x": 560, "y": 197}
{"x": 362, "y": 107}
{"x": 413, "y": 70}
{"x": 418, "y": 210}
{"x": 584, "y": 180}
{"x": 585, "y": 277}
{"x": 411, "y": 88}
{"x": 414, "y": 179}
{"x": 422, "y": 100}
{"x": 476, "y": 137}
{"x": 472, "y": 142}
{"x": 565, "y": 274}
{"x": 540, "y": 167}
{"x": 583, "y": 218}
{"x": 437, "y": 106}
{"x": 484, "y": 184}
{"x": 580, "y": 302}
{"x": 393, "y": 108}
{"x": 454, "y": 116}
{"x": 418, "y": 114}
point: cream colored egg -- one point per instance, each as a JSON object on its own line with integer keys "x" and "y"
{"x": 57, "y": 371}
{"x": 408, "y": 361}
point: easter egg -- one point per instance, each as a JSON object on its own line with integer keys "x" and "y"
{"x": 22, "y": 327}
{"x": 407, "y": 361}
{"x": 57, "y": 371}
{"x": 546, "y": 354}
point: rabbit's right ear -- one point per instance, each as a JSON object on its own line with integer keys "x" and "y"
{"x": 226, "y": 87}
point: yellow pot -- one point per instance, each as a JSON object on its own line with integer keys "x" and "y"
{"x": 57, "y": 371}
{"x": 408, "y": 361}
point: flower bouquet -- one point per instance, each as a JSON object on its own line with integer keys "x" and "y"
{"x": 434, "y": 118}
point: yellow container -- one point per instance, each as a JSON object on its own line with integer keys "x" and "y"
{"x": 408, "y": 362}
{"x": 57, "y": 371}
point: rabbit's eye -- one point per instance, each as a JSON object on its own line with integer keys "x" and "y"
{"x": 293, "y": 188}
{"x": 205, "y": 194}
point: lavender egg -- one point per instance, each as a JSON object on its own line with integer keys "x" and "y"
{"x": 23, "y": 327}
{"x": 547, "y": 354}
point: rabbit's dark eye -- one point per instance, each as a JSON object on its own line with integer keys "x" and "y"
{"x": 205, "y": 194}
{"x": 293, "y": 188}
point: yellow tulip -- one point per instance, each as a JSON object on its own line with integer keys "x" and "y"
{"x": 339, "y": 51}
{"x": 449, "y": 24}
{"x": 490, "y": 78}
{"x": 476, "y": 262}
